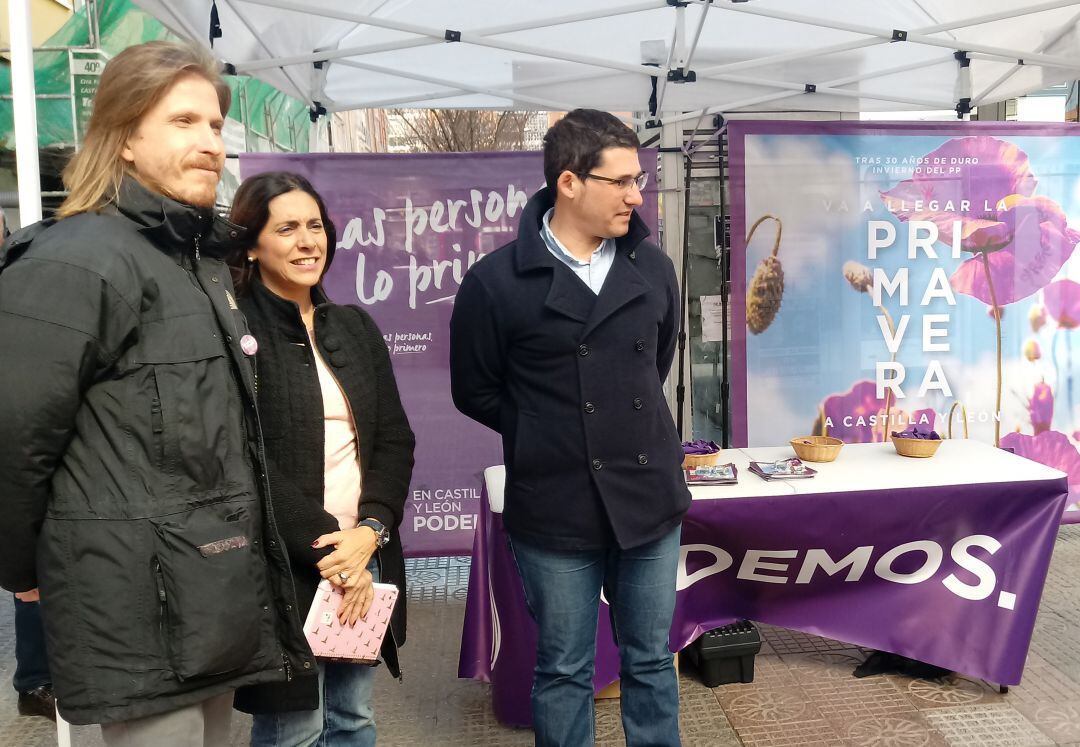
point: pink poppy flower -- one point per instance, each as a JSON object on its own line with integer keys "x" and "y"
{"x": 1041, "y": 407}
{"x": 1051, "y": 448}
{"x": 1062, "y": 299}
{"x": 1026, "y": 247}
{"x": 1026, "y": 238}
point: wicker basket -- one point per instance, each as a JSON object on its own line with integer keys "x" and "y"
{"x": 690, "y": 461}
{"x": 817, "y": 448}
{"x": 921, "y": 448}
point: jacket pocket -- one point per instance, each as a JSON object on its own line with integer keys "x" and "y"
{"x": 210, "y": 589}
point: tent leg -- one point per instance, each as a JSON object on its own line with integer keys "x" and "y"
{"x": 25, "y": 112}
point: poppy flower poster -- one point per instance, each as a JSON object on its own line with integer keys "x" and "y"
{"x": 889, "y": 275}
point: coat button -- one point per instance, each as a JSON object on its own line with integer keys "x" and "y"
{"x": 332, "y": 343}
{"x": 637, "y": 403}
{"x": 337, "y": 360}
{"x": 272, "y": 543}
{"x": 232, "y": 234}
{"x": 633, "y": 255}
{"x": 642, "y": 459}
{"x": 639, "y": 345}
{"x": 597, "y": 465}
{"x": 583, "y": 350}
{"x": 307, "y": 665}
{"x": 590, "y": 407}
{"x": 214, "y": 278}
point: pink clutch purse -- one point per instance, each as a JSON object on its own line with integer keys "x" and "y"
{"x": 329, "y": 639}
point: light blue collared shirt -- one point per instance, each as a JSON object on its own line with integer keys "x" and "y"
{"x": 592, "y": 273}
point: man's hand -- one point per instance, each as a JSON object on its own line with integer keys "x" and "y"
{"x": 28, "y": 596}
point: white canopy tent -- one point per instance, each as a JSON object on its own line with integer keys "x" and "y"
{"x": 718, "y": 56}
{"x": 658, "y": 60}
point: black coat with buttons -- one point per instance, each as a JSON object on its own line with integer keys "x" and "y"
{"x": 573, "y": 381}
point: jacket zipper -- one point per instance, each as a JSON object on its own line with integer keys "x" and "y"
{"x": 163, "y": 608}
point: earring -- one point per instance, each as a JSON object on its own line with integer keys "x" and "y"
{"x": 251, "y": 259}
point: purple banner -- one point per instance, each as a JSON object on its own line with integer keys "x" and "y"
{"x": 951, "y": 576}
{"x": 409, "y": 226}
{"x": 888, "y": 275}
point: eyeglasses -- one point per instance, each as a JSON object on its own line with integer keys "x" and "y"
{"x": 624, "y": 183}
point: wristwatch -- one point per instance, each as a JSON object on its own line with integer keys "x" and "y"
{"x": 382, "y": 534}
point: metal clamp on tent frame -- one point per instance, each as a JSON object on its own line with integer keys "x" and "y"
{"x": 317, "y": 110}
{"x": 963, "y": 103}
{"x": 452, "y": 36}
{"x": 679, "y": 75}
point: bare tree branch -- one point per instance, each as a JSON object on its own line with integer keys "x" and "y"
{"x": 442, "y": 130}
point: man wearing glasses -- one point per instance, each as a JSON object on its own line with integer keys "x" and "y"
{"x": 561, "y": 341}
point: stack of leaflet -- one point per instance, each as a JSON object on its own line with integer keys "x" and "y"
{"x": 784, "y": 469}
{"x": 712, "y": 474}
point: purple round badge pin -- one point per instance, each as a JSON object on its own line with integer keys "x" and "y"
{"x": 249, "y": 345}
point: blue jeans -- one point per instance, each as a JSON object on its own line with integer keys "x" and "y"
{"x": 344, "y": 717}
{"x": 563, "y": 593}
{"x": 31, "y": 663}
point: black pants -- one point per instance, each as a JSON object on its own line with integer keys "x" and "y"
{"x": 31, "y": 663}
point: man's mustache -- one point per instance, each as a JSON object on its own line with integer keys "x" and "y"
{"x": 210, "y": 164}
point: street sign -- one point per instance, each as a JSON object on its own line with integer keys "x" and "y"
{"x": 86, "y": 66}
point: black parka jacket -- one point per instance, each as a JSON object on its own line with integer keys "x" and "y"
{"x": 291, "y": 408}
{"x": 573, "y": 381}
{"x": 131, "y": 483}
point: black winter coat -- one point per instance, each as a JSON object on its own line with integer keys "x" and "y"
{"x": 573, "y": 383}
{"x": 129, "y": 453}
{"x": 291, "y": 408}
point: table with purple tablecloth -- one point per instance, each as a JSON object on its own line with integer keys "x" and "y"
{"x": 941, "y": 559}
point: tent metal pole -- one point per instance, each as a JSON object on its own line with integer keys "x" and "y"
{"x": 792, "y": 56}
{"x": 508, "y": 28}
{"x": 915, "y": 36}
{"x": 999, "y": 16}
{"x": 663, "y": 78}
{"x": 180, "y": 24}
{"x": 591, "y": 15}
{"x": 1075, "y": 66}
{"x": 331, "y": 55}
{"x": 25, "y": 111}
{"x": 732, "y": 106}
{"x": 258, "y": 38}
{"x": 725, "y": 292}
{"x": 822, "y": 88}
{"x": 458, "y": 91}
{"x": 1004, "y": 53}
{"x": 466, "y": 37}
{"x": 976, "y": 100}
{"x": 680, "y": 36}
{"x": 877, "y": 40}
{"x": 697, "y": 37}
{"x": 544, "y": 103}
{"x": 680, "y": 388}
{"x": 328, "y": 55}
{"x": 888, "y": 71}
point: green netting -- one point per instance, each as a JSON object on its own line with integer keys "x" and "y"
{"x": 122, "y": 25}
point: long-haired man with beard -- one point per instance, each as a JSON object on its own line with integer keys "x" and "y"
{"x": 130, "y": 479}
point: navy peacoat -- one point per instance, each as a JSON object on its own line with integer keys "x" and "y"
{"x": 573, "y": 381}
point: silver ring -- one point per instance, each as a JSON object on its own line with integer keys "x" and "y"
{"x": 343, "y": 576}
